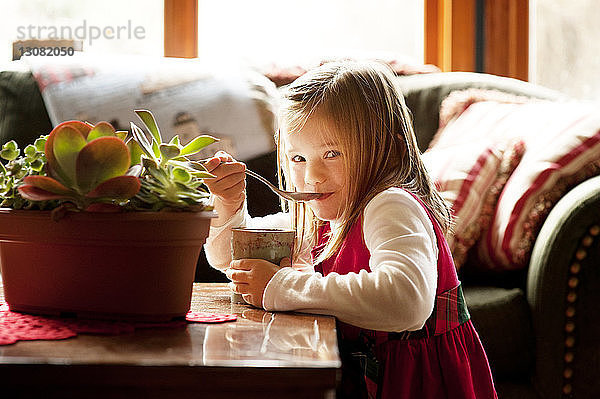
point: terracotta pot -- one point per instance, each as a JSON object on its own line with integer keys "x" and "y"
{"x": 124, "y": 266}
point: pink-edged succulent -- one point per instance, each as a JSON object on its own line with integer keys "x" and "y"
{"x": 88, "y": 166}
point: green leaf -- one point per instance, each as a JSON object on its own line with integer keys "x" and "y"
{"x": 156, "y": 149}
{"x": 10, "y": 151}
{"x": 101, "y": 129}
{"x": 140, "y": 138}
{"x": 15, "y": 168}
{"x": 198, "y": 166}
{"x": 100, "y": 160}
{"x": 181, "y": 175}
{"x": 135, "y": 151}
{"x": 43, "y": 188}
{"x": 30, "y": 151}
{"x": 149, "y": 163}
{"x": 181, "y": 163}
{"x": 175, "y": 140}
{"x": 48, "y": 184}
{"x": 82, "y": 127}
{"x": 11, "y": 145}
{"x": 148, "y": 119}
{"x": 8, "y": 154}
{"x": 53, "y": 166}
{"x": 197, "y": 144}
{"x": 169, "y": 151}
{"x": 135, "y": 170}
{"x": 33, "y": 193}
{"x": 204, "y": 175}
{"x": 120, "y": 187}
{"x": 37, "y": 165}
{"x": 161, "y": 175}
{"x": 197, "y": 169}
{"x": 40, "y": 144}
{"x": 122, "y": 134}
{"x": 66, "y": 144}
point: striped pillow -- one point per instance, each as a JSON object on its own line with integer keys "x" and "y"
{"x": 470, "y": 178}
{"x": 562, "y": 141}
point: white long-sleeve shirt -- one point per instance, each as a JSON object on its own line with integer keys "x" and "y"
{"x": 396, "y": 295}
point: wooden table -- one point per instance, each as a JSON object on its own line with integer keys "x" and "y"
{"x": 261, "y": 355}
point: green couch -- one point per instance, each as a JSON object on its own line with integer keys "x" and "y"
{"x": 539, "y": 326}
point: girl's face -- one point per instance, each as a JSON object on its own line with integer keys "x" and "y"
{"x": 316, "y": 165}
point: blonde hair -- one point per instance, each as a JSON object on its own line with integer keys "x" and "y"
{"x": 359, "y": 105}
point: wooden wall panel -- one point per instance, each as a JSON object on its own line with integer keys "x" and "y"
{"x": 181, "y": 28}
{"x": 507, "y": 38}
{"x": 463, "y": 35}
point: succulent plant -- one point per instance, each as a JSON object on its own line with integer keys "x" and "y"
{"x": 80, "y": 166}
{"x": 170, "y": 179}
{"x": 17, "y": 169}
{"x": 85, "y": 166}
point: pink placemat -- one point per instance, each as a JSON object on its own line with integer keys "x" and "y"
{"x": 16, "y": 326}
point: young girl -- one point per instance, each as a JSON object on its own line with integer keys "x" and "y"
{"x": 375, "y": 239}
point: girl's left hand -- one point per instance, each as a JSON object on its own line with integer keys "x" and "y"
{"x": 249, "y": 277}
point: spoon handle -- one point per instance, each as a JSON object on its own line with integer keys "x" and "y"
{"x": 276, "y": 190}
{"x": 259, "y": 177}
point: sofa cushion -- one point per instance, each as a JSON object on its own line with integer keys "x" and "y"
{"x": 502, "y": 319}
{"x": 424, "y": 94}
{"x": 23, "y": 116}
{"x": 470, "y": 179}
{"x": 544, "y": 174}
{"x": 188, "y": 97}
{"x": 459, "y": 100}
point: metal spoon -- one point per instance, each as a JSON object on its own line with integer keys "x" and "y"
{"x": 289, "y": 195}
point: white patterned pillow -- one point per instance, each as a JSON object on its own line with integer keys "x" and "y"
{"x": 470, "y": 179}
{"x": 562, "y": 141}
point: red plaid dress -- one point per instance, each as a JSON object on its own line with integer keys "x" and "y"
{"x": 445, "y": 359}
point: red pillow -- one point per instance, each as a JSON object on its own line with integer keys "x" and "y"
{"x": 562, "y": 142}
{"x": 470, "y": 178}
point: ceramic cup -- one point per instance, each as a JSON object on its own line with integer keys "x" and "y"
{"x": 269, "y": 244}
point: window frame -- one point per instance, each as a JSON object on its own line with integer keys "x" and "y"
{"x": 450, "y": 34}
{"x": 181, "y": 28}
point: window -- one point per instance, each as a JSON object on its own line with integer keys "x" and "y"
{"x": 565, "y": 50}
{"x": 264, "y": 31}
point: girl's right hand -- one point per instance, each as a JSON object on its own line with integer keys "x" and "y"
{"x": 229, "y": 187}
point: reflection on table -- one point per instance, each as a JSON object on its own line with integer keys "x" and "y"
{"x": 280, "y": 354}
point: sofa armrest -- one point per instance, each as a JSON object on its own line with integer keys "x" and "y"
{"x": 563, "y": 291}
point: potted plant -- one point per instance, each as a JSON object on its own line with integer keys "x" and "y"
{"x": 102, "y": 223}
